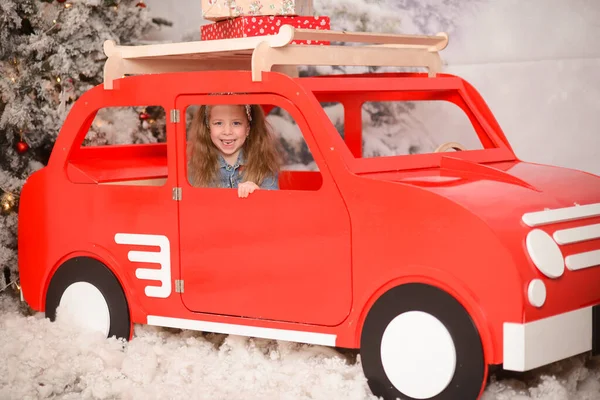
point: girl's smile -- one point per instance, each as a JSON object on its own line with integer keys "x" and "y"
{"x": 228, "y": 143}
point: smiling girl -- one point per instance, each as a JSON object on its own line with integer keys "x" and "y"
{"x": 230, "y": 146}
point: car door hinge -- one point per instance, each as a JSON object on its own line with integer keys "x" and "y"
{"x": 175, "y": 115}
{"x": 177, "y": 193}
{"x": 178, "y": 286}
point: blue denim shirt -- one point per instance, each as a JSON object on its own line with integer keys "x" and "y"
{"x": 231, "y": 177}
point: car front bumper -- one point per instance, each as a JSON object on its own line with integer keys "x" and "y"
{"x": 534, "y": 344}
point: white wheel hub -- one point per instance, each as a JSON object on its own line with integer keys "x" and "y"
{"x": 418, "y": 354}
{"x": 84, "y": 306}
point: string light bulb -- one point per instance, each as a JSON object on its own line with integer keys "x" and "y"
{"x": 7, "y": 202}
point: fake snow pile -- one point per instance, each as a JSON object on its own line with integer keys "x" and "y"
{"x": 49, "y": 360}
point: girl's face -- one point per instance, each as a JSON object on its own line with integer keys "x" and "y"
{"x": 229, "y": 128}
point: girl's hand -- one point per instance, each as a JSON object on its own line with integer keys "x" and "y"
{"x": 245, "y": 188}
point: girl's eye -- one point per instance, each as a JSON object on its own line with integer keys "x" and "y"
{"x": 237, "y": 123}
{"x": 217, "y": 123}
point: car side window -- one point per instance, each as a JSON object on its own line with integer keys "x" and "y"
{"x": 405, "y": 126}
{"x": 123, "y": 146}
{"x": 392, "y": 128}
{"x": 127, "y": 125}
{"x": 212, "y": 131}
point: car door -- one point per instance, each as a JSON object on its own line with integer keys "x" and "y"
{"x": 281, "y": 255}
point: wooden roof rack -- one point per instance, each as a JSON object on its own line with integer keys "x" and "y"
{"x": 276, "y": 52}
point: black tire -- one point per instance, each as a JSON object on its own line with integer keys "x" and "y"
{"x": 470, "y": 368}
{"x": 92, "y": 271}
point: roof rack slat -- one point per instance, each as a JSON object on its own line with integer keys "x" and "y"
{"x": 434, "y": 43}
{"x": 265, "y": 57}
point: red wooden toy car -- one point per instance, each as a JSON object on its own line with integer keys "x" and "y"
{"x": 435, "y": 266}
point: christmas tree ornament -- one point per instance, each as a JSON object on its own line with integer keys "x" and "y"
{"x": 61, "y": 1}
{"x": 22, "y": 146}
{"x": 141, "y": 4}
{"x": 144, "y": 116}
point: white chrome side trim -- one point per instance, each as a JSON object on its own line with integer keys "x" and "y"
{"x": 576, "y": 235}
{"x": 161, "y": 257}
{"x": 583, "y": 260}
{"x": 534, "y": 344}
{"x": 545, "y": 217}
{"x": 322, "y": 339}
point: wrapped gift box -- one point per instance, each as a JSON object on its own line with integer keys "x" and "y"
{"x": 256, "y": 26}
{"x": 216, "y": 10}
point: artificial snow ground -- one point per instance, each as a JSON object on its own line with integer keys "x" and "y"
{"x": 50, "y": 360}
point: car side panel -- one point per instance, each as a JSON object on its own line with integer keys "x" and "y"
{"x": 408, "y": 234}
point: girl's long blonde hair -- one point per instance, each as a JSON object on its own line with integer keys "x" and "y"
{"x": 260, "y": 152}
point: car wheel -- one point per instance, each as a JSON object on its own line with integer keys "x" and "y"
{"x": 85, "y": 293}
{"x": 418, "y": 342}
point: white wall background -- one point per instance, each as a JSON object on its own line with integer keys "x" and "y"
{"x": 536, "y": 63}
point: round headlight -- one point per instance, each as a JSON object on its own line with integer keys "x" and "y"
{"x": 536, "y": 293}
{"x": 545, "y": 253}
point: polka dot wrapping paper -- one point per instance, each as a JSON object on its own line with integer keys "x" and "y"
{"x": 248, "y": 26}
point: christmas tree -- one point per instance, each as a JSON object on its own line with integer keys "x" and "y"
{"x": 51, "y": 53}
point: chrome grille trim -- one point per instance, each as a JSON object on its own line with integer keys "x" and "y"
{"x": 539, "y": 218}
